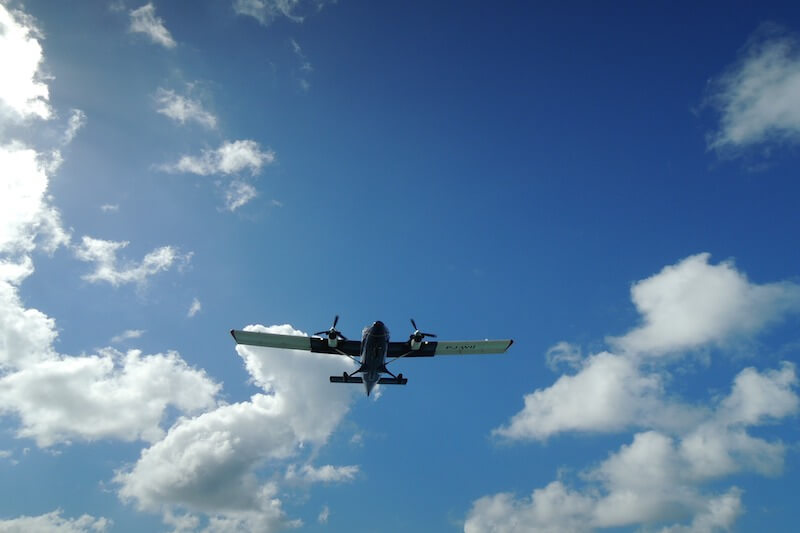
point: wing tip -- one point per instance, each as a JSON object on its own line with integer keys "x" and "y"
{"x": 233, "y": 334}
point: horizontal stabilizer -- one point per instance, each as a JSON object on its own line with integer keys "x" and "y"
{"x": 393, "y": 381}
{"x": 348, "y": 379}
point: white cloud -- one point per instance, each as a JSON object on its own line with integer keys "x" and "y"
{"x": 104, "y": 255}
{"x": 759, "y": 96}
{"x": 110, "y": 395}
{"x": 183, "y": 109}
{"x": 126, "y": 335}
{"x": 694, "y": 303}
{"x": 760, "y": 396}
{"x": 305, "y": 67}
{"x": 211, "y": 463}
{"x": 719, "y": 513}
{"x": 609, "y": 393}
{"x": 322, "y": 474}
{"x": 144, "y": 20}
{"x": 77, "y": 120}
{"x": 237, "y": 194}
{"x": 194, "y": 308}
{"x": 25, "y": 210}
{"x": 662, "y": 478}
{"x": 265, "y": 11}
{"x": 564, "y": 353}
{"x": 230, "y": 158}
{"x": 26, "y": 335}
{"x": 54, "y": 522}
{"x": 324, "y": 515}
{"x": 23, "y": 93}
{"x": 109, "y": 208}
{"x": 553, "y": 509}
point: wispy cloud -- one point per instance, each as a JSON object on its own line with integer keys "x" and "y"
{"x": 230, "y": 158}
{"x": 237, "y": 194}
{"x": 109, "y": 208}
{"x": 77, "y": 120}
{"x": 56, "y": 522}
{"x": 144, "y": 20}
{"x": 194, "y": 308}
{"x": 23, "y": 93}
{"x": 265, "y": 11}
{"x": 758, "y": 98}
{"x": 104, "y": 255}
{"x": 324, "y": 514}
{"x": 126, "y": 335}
{"x": 322, "y": 474}
{"x": 183, "y": 109}
{"x": 304, "y": 69}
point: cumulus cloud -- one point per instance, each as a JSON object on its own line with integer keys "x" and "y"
{"x": 55, "y": 522}
{"x": 194, "y": 308}
{"x": 661, "y": 478}
{"x": 110, "y": 395}
{"x": 211, "y": 463}
{"x": 144, "y": 20}
{"x": 607, "y": 394}
{"x": 759, "y": 96}
{"x": 230, "y": 158}
{"x": 657, "y": 478}
{"x": 25, "y": 211}
{"x": 553, "y": 509}
{"x": 104, "y": 254}
{"x": 23, "y": 93}
{"x": 694, "y": 303}
{"x": 61, "y": 398}
{"x": 183, "y": 109}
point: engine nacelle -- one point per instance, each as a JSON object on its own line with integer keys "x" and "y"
{"x": 415, "y": 344}
{"x": 333, "y": 342}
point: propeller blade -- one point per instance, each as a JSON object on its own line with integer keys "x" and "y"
{"x": 414, "y": 324}
{"x": 321, "y": 333}
{"x": 335, "y": 320}
{"x": 429, "y": 334}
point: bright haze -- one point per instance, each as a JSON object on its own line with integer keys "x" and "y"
{"x": 614, "y": 187}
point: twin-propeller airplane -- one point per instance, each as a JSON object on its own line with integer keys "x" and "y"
{"x": 374, "y": 350}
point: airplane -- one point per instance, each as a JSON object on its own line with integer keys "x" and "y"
{"x": 374, "y": 349}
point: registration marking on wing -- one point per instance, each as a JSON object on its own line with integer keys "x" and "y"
{"x": 467, "y": 347}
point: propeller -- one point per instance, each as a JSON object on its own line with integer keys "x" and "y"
{"x": 333, "y": 333}
{"x": 417, "y": 336}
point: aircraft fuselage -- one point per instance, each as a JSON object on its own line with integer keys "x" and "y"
{"x": 374, "y": 346}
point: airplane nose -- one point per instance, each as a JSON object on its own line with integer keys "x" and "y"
{"x": 378, "y": 327}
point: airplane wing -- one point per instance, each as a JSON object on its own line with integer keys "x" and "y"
{"x": 295, "y": 342}
{"x": 429, "y": 349}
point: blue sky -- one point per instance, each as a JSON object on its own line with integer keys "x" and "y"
{"x": 612, "y": 186}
